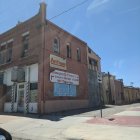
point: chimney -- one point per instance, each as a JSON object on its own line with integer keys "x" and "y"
{"x": 42, "y": 11}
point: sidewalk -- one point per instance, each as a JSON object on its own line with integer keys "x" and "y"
{"x": 121, "y": 126}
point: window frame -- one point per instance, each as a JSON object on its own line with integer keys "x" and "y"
{"x": 56, "y": 46}
{"x": 69, "y": 52}
{"x": 78, "y": 53}
{"x": 6, "y": 52}
{"x": 25, "y": 44}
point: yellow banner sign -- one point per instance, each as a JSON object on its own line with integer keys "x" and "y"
{"x": 57, "y": 62}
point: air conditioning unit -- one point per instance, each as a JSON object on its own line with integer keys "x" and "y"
{"x": 18, "y": 75}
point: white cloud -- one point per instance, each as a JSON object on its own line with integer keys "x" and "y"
{"x": 97, "y": 4}
{"x": 119, "y": 63}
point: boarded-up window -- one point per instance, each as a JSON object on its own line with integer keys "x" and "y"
{"x": 61, "y": 89}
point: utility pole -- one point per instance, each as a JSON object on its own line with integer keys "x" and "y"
{"x": 109, "y": 87}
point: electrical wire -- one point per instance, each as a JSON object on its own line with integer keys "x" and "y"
{"x": 68, "y": 10}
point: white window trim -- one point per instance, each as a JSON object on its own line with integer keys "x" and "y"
{"x": 11, "y": 40}
{"x": 26, "y": 33}
{"x": 4, "y": 43}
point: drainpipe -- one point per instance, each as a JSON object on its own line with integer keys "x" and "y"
{"x": 43, "y": 21}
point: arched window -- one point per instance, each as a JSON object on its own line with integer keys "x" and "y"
{"x": 56, "y": 47}
{"x": 68, "y": 50}
{"x": 78, "y": 54}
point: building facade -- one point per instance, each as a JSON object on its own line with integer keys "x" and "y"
{"x": 42, "y": 67}
{"x": 94, "y": 87}
{"x": 131, "y": 94}
{"x": 113, "y": 92}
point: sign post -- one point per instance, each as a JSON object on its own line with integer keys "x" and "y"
{"x": 99, "y": 78}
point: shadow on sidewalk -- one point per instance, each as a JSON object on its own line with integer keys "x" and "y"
{"x": 56, "y": 116}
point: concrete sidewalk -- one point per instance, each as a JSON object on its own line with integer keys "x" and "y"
{"x": 127, "y": 127}
{"x": 122, "y": 126}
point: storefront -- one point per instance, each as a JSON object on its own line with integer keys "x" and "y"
{"x": 22, "y": 93}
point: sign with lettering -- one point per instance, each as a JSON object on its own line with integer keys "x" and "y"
{"x": 64, "y": 77}
{"x": 57, "y": 62}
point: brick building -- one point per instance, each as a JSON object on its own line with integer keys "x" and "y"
{"x": 43, "y": 67}
{"x": 94, "y": 68}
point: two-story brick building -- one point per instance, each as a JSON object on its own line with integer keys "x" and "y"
{"x": 43, "y": 67}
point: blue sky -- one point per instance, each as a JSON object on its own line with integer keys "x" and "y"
{"x": 110, "y": 27}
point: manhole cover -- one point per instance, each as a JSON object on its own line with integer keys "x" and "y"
{"x": 111, "y": 119}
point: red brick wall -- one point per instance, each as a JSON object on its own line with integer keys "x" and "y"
{"x": 32, "y": 26}
{"x": 73, "y": 66}
{"x": 35, "y": 27}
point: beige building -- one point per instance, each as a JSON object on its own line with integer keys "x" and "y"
{"x": 131, "y": 94}
{"x": 112, "y": 89}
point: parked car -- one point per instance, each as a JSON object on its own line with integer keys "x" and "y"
{"x": 4, "y": 135}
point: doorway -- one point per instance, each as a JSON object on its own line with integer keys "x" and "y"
{"x": 21, "y": 97}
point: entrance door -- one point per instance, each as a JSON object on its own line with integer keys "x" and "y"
{"x": 20, "y": 100}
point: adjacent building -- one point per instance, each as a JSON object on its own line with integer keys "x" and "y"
{"x": 131, "y": 94}
{"x": 94, "y": 87}
{"x": 113, "y": 92}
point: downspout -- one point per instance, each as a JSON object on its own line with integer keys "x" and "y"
{"x": 43, "y": 22}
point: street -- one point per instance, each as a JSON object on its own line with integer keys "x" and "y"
{"x": 118, "y": 122}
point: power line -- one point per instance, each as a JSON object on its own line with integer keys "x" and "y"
{"x": 61, "y": 12}
{"x": 69, "y": 9}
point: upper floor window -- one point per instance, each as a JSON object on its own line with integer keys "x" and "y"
{"x": 68, "y": 50}
{"x": 3, "y": 53}
{"x": 6, "y": 51}
{"x": 25, "y": 43}
{"x": 56, "y": 45}
{"x": 93, "y": 64}
{"x": 9, "y": 51}
{"x": 89, "y": 50}
{"x": 78, "y": 54}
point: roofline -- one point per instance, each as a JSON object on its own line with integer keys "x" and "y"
{"x": 66, "y": 32}
{"x": 20, "y": 24}
{"x": 95, "y": 53}
{"x": 131, "y": 87}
